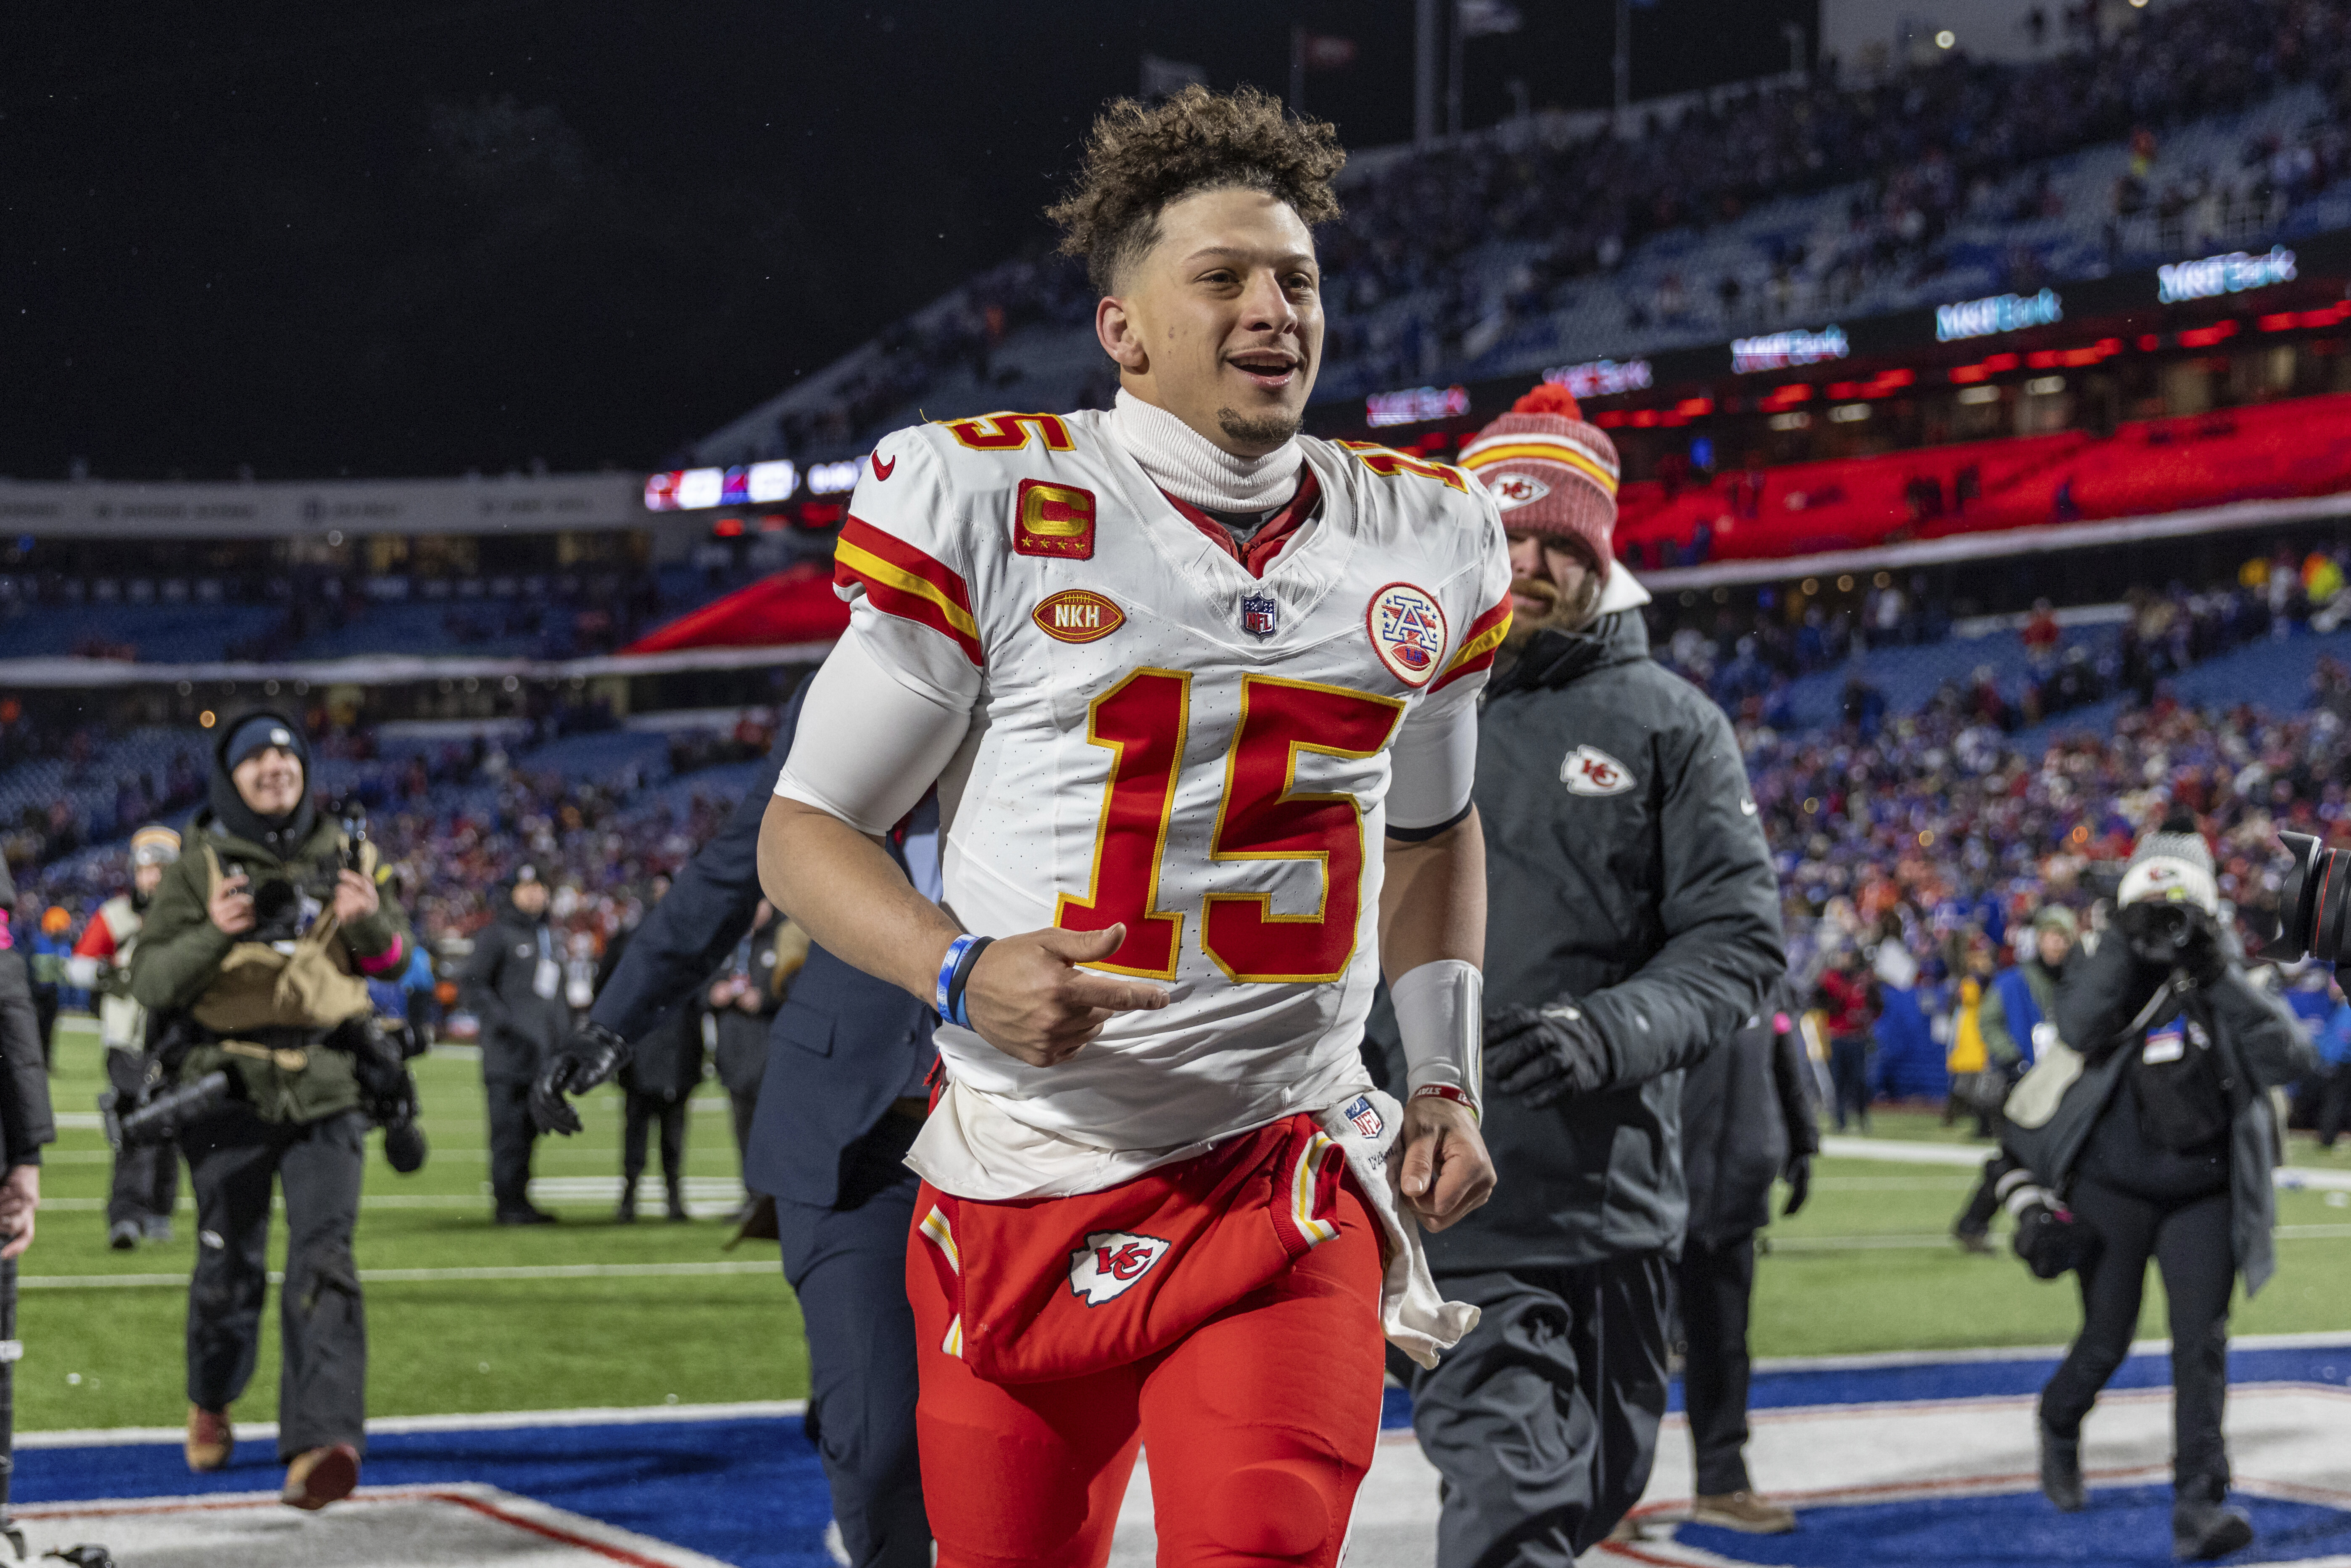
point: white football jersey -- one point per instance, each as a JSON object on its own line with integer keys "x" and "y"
{"x": 1163, "y": 739}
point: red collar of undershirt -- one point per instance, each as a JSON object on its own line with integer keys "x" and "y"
{"x": 1272, "y": 534}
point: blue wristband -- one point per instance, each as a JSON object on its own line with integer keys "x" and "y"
{"x": 941, "y": 1001}
{"x": 958, "y": 1010}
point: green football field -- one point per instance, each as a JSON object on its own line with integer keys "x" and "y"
{"x": 465, "y": 1316}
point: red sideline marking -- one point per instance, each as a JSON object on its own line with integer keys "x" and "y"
{"x": 617, "y": 1554}
{"x": 551, "y": 1533}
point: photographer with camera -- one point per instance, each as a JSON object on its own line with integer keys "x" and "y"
{"x": 146, "y": 1184}
{"x": 2149, "y": 1112}
{"x": 254, "y": 960}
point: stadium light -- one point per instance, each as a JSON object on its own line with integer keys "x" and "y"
{"x": 698, "y": 488}
{"x": 1781, "y": 351}
{"x": 1600, "y": 378}
{"x": 832, "y": 478}
{"x": 771, "y": 482}
{"x": 2216, "y": 274}
{"x": 1415, "y": 406}
{"x": 1997, "y": 313}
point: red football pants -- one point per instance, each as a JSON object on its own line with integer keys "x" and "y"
{"x": 1260, "y": 1424}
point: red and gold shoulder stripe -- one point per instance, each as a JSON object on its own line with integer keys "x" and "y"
{"x": 1387, "y": 462}
{"x": 1477, "y": 645}
{"x": 902, "y": 581}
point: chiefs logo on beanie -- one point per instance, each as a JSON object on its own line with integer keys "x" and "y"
{"x": 1550, "y": 472}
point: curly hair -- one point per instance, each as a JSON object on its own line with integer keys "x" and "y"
{"x": 1140, "y": 157}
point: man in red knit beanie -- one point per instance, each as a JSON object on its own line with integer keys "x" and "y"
{"x": 1635, "y": 924}
{"x": 1555, "y": 478}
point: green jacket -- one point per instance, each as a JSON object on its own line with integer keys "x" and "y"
{"x": 181, "y": 952}
{"x": 2001, "y": 1044}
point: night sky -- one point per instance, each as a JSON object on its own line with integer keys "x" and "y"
{"x": 423, "y": 238}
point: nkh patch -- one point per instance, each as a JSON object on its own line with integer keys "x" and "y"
{"x": 1260, "y": 614}
{"x": 1110, "y": 1261}
{"x": 1512, "y": 491}
{"x": 1366, "y": 1117}
{"x": 1407, "y": 631}
{"x": 1588, "y": 770}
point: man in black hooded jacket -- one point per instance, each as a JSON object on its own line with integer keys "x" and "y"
{"x": 513, "y": 984}
{"x": 1633, "y": 923}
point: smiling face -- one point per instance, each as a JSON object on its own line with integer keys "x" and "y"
{"x": 1553, "y": 585}
{"x": 1220, "y": 322}
{"x": 270, "y": 781}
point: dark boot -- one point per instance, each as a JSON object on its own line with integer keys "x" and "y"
{"x": 2201, "y": 1530}
{"x": 2061, "y": 1471}
{"x": 2203, "y": 1525}
{"x": 677, "y": 1215}
{"x": 627, "y": 1213}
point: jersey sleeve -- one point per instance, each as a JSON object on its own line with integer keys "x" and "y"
{"x": 1488, "y": 607}
{"x": 868, "y": 745}
{"x": 902, "y": 564}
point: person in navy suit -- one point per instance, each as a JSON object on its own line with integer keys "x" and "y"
{"x": 843, "y": 1095}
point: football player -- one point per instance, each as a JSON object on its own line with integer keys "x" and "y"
{"x": 1199, "y": 696}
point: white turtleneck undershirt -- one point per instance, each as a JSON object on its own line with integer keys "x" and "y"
{"x": 1191, "y": 467}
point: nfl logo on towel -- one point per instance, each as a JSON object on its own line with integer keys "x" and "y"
{"x": 1258, "y": 612}
{"x": 1365, "y": 1116}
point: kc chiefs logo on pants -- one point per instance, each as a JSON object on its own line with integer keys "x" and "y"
{"x": 1110, "y": 1261}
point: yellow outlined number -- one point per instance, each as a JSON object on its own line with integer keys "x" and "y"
{"x": 1143, "y": 721}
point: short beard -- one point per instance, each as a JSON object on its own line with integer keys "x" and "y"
{"x": 1266, "y": 431}
{"x": 1561, "y": 614}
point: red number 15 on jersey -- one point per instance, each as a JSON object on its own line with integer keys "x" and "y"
{"x": 1143, "y": 722}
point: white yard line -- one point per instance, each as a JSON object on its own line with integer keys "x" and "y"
{"x": 486, "y": 1421}
{"x": 1902, "y": 1152}
{"x": 420, "y": 1276}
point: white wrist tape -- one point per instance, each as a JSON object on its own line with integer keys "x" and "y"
{"x": 1439, "y": 1011}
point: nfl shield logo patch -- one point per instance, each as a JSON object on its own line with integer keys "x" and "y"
{"x": 1260, "y": 614}
{"x": 1365, "y": 1116}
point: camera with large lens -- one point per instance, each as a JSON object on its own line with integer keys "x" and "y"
{"x": 2311, "y": 914}
{"x": 160, "y": 1116}
{"x": 2158, "y": 934}
{"x": 2050, "y": 1241}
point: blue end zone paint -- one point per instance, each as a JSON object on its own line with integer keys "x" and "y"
{"x": 751, "y": 1490}
{"x": 745, "y": 1491}
{"x": 1981, "y": 1379}
{"x": 2122, "y": 1528}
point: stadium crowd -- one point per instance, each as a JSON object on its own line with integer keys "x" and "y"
{"x": 1747, "y": 657}
{"x": 1928, "y": 146}
{"x": 1932, "y": 844}
{"x": 454, "y": 823}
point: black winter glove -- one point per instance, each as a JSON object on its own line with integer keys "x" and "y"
{"x": 586, "y": 1059}
{"x": 1539, "y": 1055}
{"x": 1798, "y": 1176}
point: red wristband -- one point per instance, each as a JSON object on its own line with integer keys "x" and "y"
{"x": 1461, "y": 1097}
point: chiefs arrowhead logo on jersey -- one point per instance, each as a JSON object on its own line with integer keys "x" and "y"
{"x": 1514, "y": 491}
{"x": 1588, "y": 770}
{"x": 1408, "y": 633}
{"x": 1110, "y": 1261}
